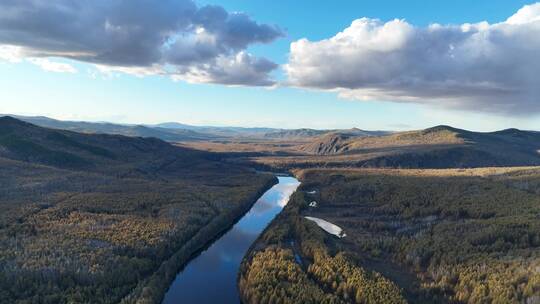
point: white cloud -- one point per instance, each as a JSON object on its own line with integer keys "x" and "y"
{"x": 52, "y": 66}
{"x": 527, "y": 14}
{"x": 134, "y": 71}
{"x": 480, "y": 67}
{"x": 231, "y": 70}
{"x": 138, "y": 37}
{"x": 10, "y": 53}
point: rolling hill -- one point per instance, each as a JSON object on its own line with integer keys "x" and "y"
{"x": 179, "y": 132}
{"x": 217, "y": 131}
{"x": 312, "y": 134}
{"x": 437, "y": 147}
{"x": 169, "y": 131}
{"x": 103, "y": 153}
{"x": 444, "y": 146}
{"x": 99, "y": 218}
{"x": 168, "y": 134}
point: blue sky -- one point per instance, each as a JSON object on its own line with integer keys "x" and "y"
{"x": 90, "y": 95}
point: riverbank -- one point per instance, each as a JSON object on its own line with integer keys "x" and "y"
{"x": 295, "y": 261}
{"x": 152, "y": 289}
{"x": 211, "y": 276}
{"x": 418, "y": 236}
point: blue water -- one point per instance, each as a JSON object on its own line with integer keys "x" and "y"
{"x": 211, "y": 277}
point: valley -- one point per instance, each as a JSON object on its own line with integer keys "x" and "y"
{"x": 440, "y": 215}
{"x": 267, "y": 152}
{"x": 107, "y": 218}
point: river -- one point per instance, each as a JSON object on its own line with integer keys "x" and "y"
{"x": 211, "y": 276}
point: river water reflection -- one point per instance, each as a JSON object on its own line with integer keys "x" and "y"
{"x": 211, "y": 277}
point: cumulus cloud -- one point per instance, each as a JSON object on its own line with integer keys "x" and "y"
{"x": 481, "y": 67}
{"x": 241, "y": 68}
{"x": 172, "y": 37}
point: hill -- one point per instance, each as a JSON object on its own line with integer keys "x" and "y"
{"x": 223, "y": 132}
{"x": 179, "y": 132}
{"x": 327, "y": 144}
{"x": 94, "y": 218}
{"x": 311, "y": 134}
{"x": 168, "y": 134}
{"x": 437, "y": 147}
{"x": 294, "y": 134}
{"x": 92, "y": 152}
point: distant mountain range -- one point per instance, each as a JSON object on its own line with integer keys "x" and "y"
{"x": 437, "y": 147}
{"x": 167, "y": 134}
{"x": 217, "y": 131}
{"x": 178, "y": 132}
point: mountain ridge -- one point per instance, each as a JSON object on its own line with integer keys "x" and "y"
{"x": 103, "y": 153}
{"x": 179, "y": 132}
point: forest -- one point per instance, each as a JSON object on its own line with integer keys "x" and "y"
{"x": 296, "y": 262}
{"x": 112, "y": 219}
{"x": 417, "y": 236}
{"x": 117, "y": 223}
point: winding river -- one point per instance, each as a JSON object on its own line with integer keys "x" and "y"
{"x": 211, "y": 276}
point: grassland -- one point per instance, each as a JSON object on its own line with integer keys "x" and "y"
{"x": 418, "y": 236}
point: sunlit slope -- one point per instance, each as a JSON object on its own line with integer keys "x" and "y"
{"x": 437, "y": 147}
